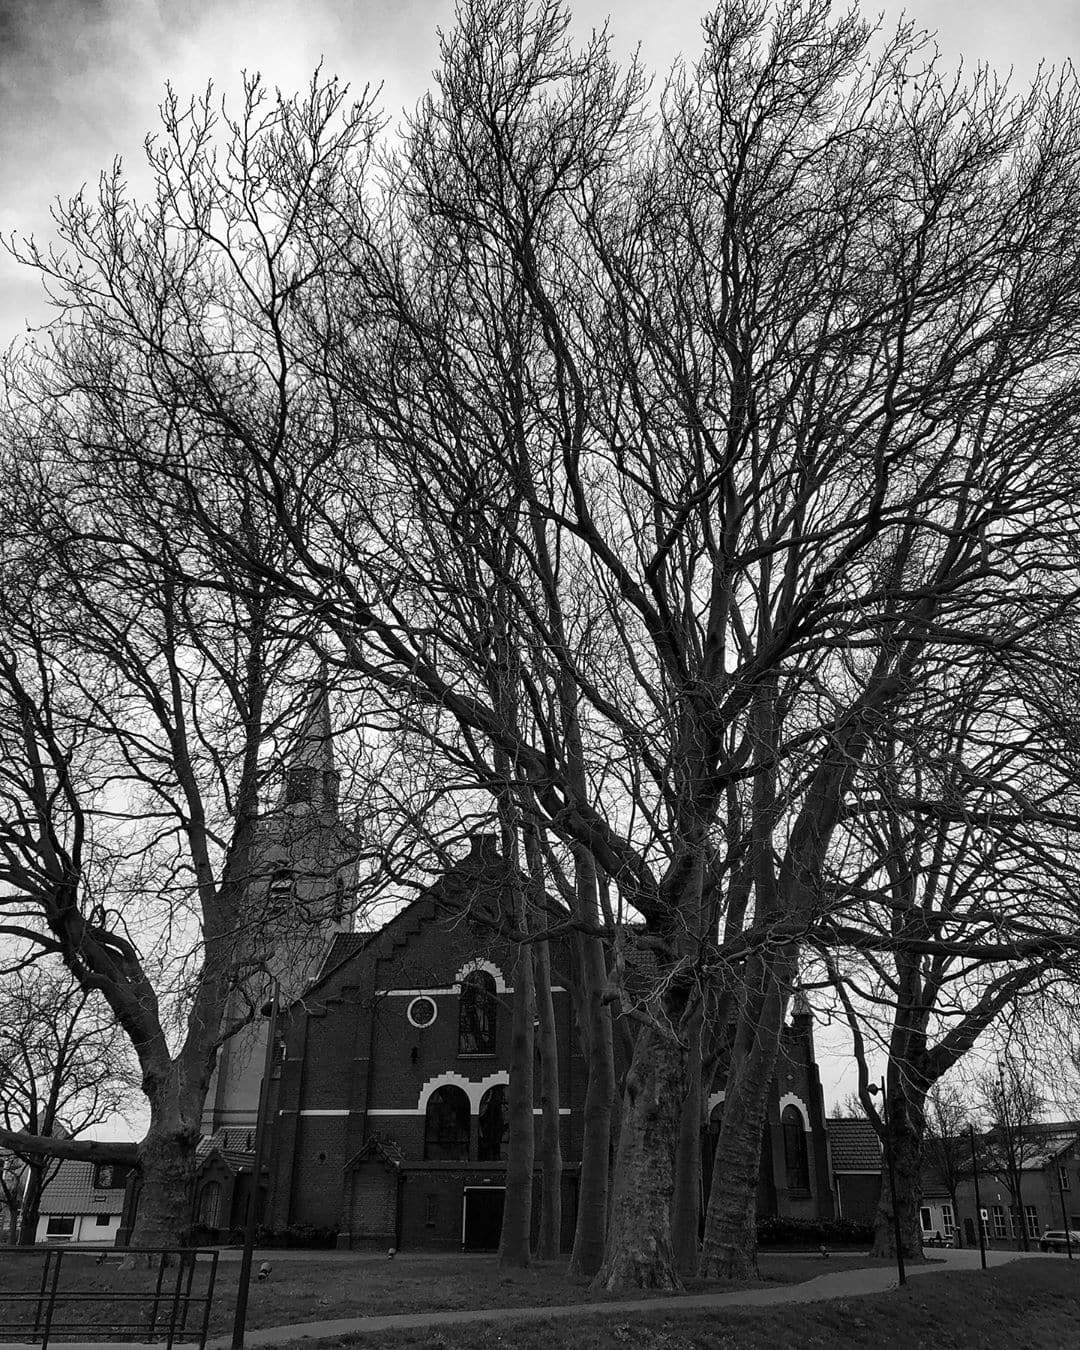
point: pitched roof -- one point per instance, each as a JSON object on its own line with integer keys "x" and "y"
{"x": 72, "y": 1191}
{"x": 854, "y": 1145}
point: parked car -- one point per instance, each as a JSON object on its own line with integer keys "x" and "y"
{"x": 1054, "y": 1240}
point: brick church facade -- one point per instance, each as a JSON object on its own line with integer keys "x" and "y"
{"x": 389, "y": 1097}
{"x": 387, "y": 1101}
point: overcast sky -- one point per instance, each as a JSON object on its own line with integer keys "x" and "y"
{"x": 80, "y": 82}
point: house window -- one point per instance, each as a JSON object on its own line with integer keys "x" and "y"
{"x": 299, "y": 785}
{"x": 494, "y": 1132}
{"x": 999, "y": 1221}
{"x": 101, "y": 1220}
{"x": 1031, "y": 1213}
{"x": 110, "y": 1176}
{"x": 59, "y": 1227}
{"x": 795, "y": 1159}
{"x": 948, "y": 1220}
{"x": 1063, "y": 1173}
{"x": 476, "y": 1014}
{"x": 926, "y": 1219}
{"x": 446, "y": 1126}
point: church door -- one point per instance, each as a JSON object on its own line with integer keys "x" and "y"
{"x": 373, "y": 1222}
{"x": 483, "y": 1217}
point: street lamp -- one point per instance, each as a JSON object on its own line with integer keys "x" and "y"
{"x": 900, "y": 1272}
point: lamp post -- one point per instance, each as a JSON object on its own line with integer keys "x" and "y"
{"x": 240, "y": 1318}
{"x": 978, "y": 1201}
{"x": 1064, "y": 1215}
{"x": 897, "y": 1237}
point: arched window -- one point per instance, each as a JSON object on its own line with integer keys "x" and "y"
{"x": 476, "y": 1014}
{"x": 494, "y": 1125}
{"x": 446, "y": 1126}
{"x": 795, "y": 1160}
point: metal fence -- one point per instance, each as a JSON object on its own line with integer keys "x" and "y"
{"x": 173, "y": 1306}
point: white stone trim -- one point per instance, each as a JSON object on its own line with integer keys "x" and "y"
{"x": 412, "y": 1111}
{"x": 473, "y": 1090}
{"x": 426, "y": 998}
{"x": 479, "y": 963}
{"x": 790, "y": 1099}
{"x": 345, "y": 1112}
{"x": 715, "y": 1098}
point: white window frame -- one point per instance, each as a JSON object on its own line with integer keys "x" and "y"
{"x": 68, "y": 1235}
{"x": 1031, "y": 1218}
{"x": 948, "y": 1219}
{"x": 926, "y": 1218}
{"x": 1063, "y": 1173}
{"x": 1001, "y": 1230}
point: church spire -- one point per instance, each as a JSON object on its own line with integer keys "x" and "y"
{"x": 311, "y": 779}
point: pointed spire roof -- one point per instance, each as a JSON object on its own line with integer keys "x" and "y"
{"x": 310, "y": 775}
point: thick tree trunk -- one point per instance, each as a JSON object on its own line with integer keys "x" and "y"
{"x": 730, "y": 1245}
{"x": 30, "y": 1210}
{"x": 639, "y": 1253}
{"x": 167, "y": 1157}
{"x": 590, "y": 1230}
{"x": 551, "y": 1165}
{"x": 515, "y": 1239}
{"x": 905, "y": 1141}
{"x": 686, "y": 1212}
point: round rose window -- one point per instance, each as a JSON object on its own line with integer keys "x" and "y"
{"x": 421, "y": 1011}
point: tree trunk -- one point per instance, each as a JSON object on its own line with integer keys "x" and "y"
{"x": 686, "y": 1213}
{"x": 730, "y": 1246}
{"x": 590, "y": 1229}
{"x": 639, "y": 1253}
{"x": 30, "y": 1210}
{"x": 905, "y": 1141}
{"x": 551, "y": 1166}
{"x": 167, "y": 1161}
{"x": 515, "y": 1239}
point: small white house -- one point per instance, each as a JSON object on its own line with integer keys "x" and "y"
{"x": 83, "y": 1203}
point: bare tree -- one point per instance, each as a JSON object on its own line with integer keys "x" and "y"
{"x": 946, "y": 1145}
{"x": 64, "y": 1068}
{"x": 766, "y": 391}
{"x": 1012, "y": 1107}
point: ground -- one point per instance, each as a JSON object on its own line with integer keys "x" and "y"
{"x": 317, "y": 1287}
{"x": 1031, "y": 1305}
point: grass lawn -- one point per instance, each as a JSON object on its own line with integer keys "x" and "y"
{"x": 322, "y": 1288}
{"x": 1029, "y": 1305}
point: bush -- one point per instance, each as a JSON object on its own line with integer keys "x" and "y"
{"x": 779, "y": 1231}
{"x": 304, "y": 1235}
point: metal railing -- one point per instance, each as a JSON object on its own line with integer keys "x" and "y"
{"x": 177, "y": 1307}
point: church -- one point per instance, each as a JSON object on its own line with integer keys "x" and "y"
{"x": 387, "y": 1105}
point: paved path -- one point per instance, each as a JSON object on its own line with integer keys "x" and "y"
{"x": 841, "y": 1284}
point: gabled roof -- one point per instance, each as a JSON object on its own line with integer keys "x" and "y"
{"x": 234, "y": 1145}
{"x": 376, "y": 1149}
{"x": 854, "y": 1145}
{"x": 473, "y": 878}
{"x": 72, "y": 1191}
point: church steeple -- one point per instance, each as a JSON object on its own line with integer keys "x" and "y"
{"x": 311, "y": 779}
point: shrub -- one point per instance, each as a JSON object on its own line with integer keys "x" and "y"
{"x": 303, "y": 1235}
{"x": 779, "y": 1231}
